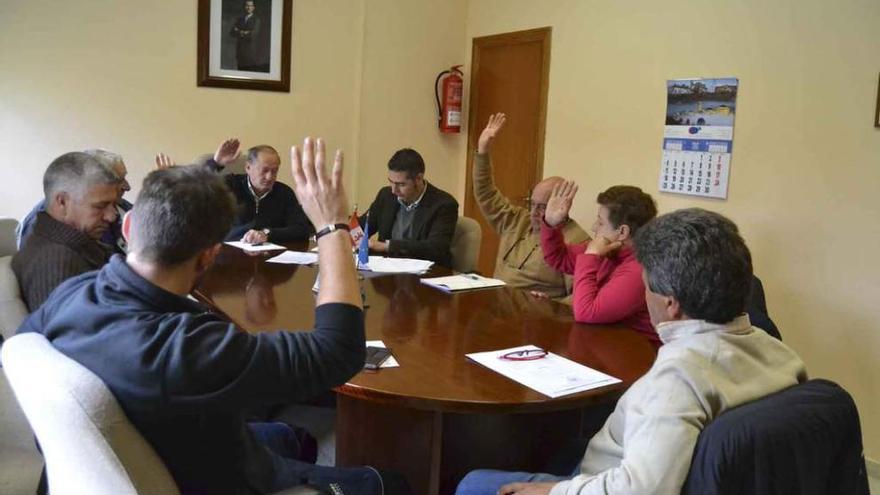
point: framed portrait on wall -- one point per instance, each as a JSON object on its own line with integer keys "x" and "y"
{"x": 244, "y": 44}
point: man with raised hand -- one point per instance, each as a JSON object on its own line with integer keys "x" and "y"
{"x": 520, "y": 260}
{"x": 186, "y": 376}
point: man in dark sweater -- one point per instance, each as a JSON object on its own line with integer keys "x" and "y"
{"x": 413, "y": 219}
{"x": 186, "y": 376}
{"x": 267, "y": 209}
{"x": 80, "y": 197}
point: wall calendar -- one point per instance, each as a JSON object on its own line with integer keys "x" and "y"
{"x": 698, "y": 136}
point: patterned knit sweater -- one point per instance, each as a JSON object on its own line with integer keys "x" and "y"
{"x": 52, "y": 254}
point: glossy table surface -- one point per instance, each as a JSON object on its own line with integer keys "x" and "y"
{"x": 429, "y": 333}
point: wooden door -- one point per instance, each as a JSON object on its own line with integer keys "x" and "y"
{"x": 509, "y": 73}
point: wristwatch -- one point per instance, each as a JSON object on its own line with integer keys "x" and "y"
{"x": 333, "y": 227}
{"x": 266, "y": 232}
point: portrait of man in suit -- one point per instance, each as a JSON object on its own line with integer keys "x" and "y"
{"x": 250, "y": 32}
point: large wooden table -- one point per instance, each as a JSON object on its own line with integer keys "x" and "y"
{"x": 438, "y": 415}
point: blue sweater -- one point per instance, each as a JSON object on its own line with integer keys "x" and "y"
{"x": 185, "y": 376}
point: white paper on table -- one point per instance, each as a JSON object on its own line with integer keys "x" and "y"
{"x": 295, "y": 258}
{"x": 552, "y": 375}
{"x": 381, "y": 264}
{"x": 266, "y": 246}
{"x": 462, "y": 281}
{"x": 390, "y": 362}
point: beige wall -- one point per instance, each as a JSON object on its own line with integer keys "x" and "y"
{"x": 406, "y": 44}
{"x": 121, "y": 75}
{"x": 805, "y": 175}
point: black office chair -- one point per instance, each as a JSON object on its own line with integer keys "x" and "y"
{"x": 804, "y": 440}
{"x": 757, "y": 309}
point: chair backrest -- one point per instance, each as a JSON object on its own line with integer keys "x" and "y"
{"x": 12, "y": 308}
{"x": 8, "y": 244}
{"x": 466, "y": 245}
{"x": 805, "y": 439}
{"x": 756, "y": 307}
{"x": 88, "y": 443}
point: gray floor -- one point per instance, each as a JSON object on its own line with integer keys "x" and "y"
{"x": 20, "y": 463}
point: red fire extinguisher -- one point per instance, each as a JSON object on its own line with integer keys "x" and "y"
{"x": 449, "y": 106}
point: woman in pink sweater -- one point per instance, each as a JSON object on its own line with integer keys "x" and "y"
{"x": 608, "y": 286}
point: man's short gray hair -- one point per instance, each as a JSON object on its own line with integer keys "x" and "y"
{"x": 698, "y": 257}
{"x": 106, "y": 158}
{"x": 254, "y": 152}
{"x": 75, "y": 173}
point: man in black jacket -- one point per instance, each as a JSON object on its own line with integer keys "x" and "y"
{"x": 185, "y": 376}
{"x": 413, "y": 219}
{"x": 267, "y": 209}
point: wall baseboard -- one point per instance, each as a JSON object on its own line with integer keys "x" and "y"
{"x": 873, "y": 468}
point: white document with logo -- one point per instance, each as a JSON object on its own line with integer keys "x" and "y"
{"x": 295, "y": 258}
{"x": 266, "y": 246}
{"x": 552, "y": 375}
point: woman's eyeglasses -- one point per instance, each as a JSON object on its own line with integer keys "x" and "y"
{"x": 524, "y": 355}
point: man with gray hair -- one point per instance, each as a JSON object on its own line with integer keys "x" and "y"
{"x": 113, "y": 236}
{"x": 80, "y": 199}
{"x": 267, "y": 210}
{"x": 697, "y": 272}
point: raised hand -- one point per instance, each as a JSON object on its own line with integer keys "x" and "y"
{"x": 322, "y": 196}
{"x": 496, "y": 122}
{"x": 323, "y": 199}
{"x": 164, "y": 161}
{"x": 559, "y": 203}
{"x": 227, "y": 152}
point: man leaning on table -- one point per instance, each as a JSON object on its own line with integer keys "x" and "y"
{"x": 267, "y": 211}
{"x": 410, "y": 217}
{"x": 186, "y": 376}
{"x": 697, "y": 272}
{"x": 520, "y": 260}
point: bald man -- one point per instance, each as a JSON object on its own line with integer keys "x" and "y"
{"x": 520, "y": 260}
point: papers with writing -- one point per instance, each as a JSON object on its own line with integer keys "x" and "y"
{"x": 266, "y": 246}
{"x": 396, "y": 265}
{"x": 463, "y": 281}
{"x": 552, "y": 375}
{"x": 390, "y": 362}
{"x": 295, "y": 258}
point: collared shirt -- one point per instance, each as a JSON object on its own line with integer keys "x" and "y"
{"x": 403, "y": 221}
{"x": 414, "y": 204}
{"x": 257, "y": 198}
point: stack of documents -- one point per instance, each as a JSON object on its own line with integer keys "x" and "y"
{"x": 463, "y": 281}
{"x": 381, "y": 264}
{"x": 552, "y": 375}
{"x": 295, "y": 258}
{"x": 266, "y": 246}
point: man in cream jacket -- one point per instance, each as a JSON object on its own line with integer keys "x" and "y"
{"x": 697, "y": 272}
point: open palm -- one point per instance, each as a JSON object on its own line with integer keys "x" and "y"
{"x": 496, "y": 122}
{"x": 560, "y": 202}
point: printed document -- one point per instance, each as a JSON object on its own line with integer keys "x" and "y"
{"x": 266, "y": 246}
{"x": 463, "y": 281}
{"x": 295, "y": 258}
{"x": 552, "y": 375}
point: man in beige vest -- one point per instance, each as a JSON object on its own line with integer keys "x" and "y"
{"x": 520, "y": 260}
